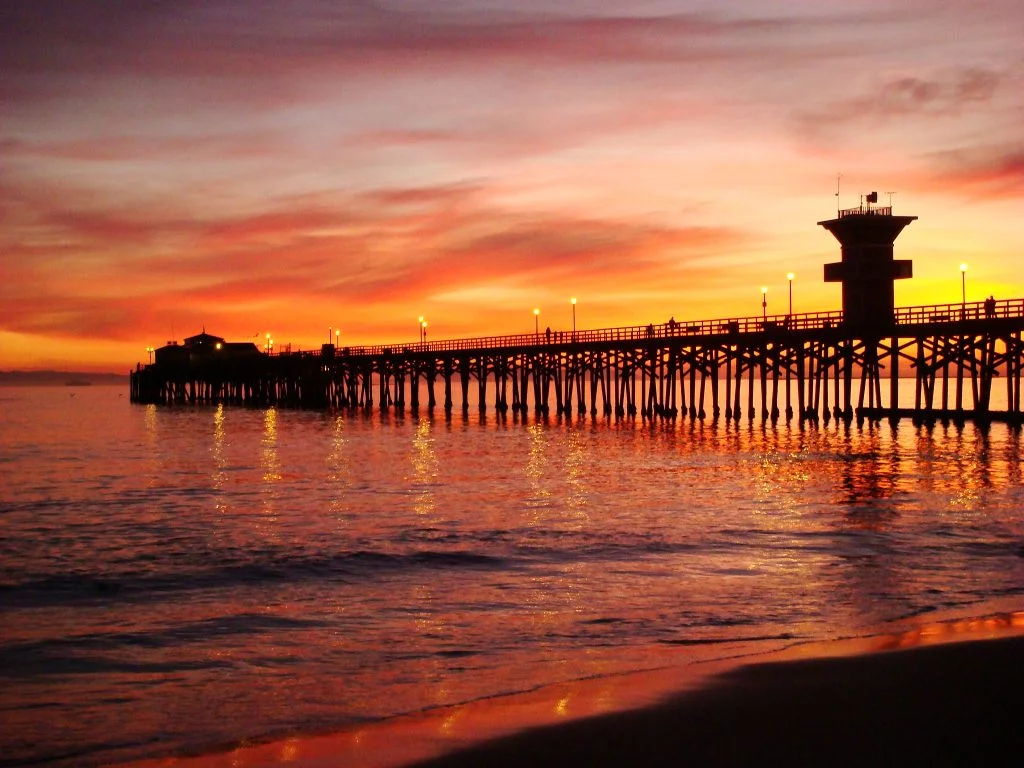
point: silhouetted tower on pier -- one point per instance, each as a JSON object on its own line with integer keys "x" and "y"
{"x": 868, "y": 270}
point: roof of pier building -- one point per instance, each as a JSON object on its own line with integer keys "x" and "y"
{"x": 204, "y": 343}
{"x": 203, "y": 339}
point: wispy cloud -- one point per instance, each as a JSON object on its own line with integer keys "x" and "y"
{"x": 242, "y": 164}
{"x": 950, "y": 94}
{"x": 991, "y": 172}
{"x": 395, "y": 246}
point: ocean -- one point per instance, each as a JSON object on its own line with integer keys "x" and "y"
{"x": 181, "y": 579}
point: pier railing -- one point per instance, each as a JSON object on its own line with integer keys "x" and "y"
{"x": 905, "y": 316}
{"x": 971, "y": 310}
{"x": 863, "y": 210}
{"x": 729, "y": 325}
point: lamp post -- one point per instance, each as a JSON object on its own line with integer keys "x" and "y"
{"x": 266, "y": 345}
{"x": 150, "y": 350}
{"x": 423, "y": 328}
{"x": 790, "y": 276}
{"x": 420, "y": 328}
{"x": 573, "y": 302}
{"x": 963, "y": 285}
{"x": 764, "y": 301}
{"x": 536, "y": 322}
{"x": 337, "y": 336}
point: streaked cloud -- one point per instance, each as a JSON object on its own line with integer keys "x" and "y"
{"x": 244, "y": 165}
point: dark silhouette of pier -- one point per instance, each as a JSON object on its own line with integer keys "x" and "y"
{"x": 843, "y": 364}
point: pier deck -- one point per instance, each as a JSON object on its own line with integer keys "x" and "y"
{"x": 804, "y": 366}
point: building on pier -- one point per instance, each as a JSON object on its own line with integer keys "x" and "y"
{"x": 204, "y": 347}
{"x": 867, "y": 268}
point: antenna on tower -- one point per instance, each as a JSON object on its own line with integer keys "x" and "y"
{"x": 890, "y": 194}
{"x": 838, "y": 177}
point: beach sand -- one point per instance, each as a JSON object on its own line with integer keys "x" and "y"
{"x": 956, "y": 704}
{"x": 946, "y": 693}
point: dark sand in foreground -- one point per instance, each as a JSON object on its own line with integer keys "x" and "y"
{"x": 952, "y": 704}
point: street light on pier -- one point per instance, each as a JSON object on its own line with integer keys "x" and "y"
{"x": 150, "y": 350}
{"x": 573, "y": 302}
{"x": 330, "y": 333}
{"x": 536, "y": 321}
{"x": 764, "y": 301}
{"x": 790, "y": 276}
{"x": 266, "y": 345}
{"x": 422, "y": 325}
{"x": 963, "y": 285}
{"x": 337, "y": 336}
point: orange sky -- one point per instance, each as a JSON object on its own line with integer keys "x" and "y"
{"x": 257, "y": 167}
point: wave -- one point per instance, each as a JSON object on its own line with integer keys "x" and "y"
{"x": 236, "y": 569}
{"x": 187, "y": 563}
{"x": 106, "y": 651}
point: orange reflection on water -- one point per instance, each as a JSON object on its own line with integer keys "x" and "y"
{"x": 290, "y": 750}
{"x": 536, "y": 468}
{"x": 577, "y": 477}
{"x": 270, "y": 464}
{"x": 270, "y": 467}
{"x": 218, "y": 472}
{"x": 424, "y": 469}
{"x": 339, "y": 470}
{"x": 562, "y": 706}
{"x": 449, "y": 722}
{"x": 977, "y": 628}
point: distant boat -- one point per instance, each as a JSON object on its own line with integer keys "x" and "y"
{"x": 77, "y": 383}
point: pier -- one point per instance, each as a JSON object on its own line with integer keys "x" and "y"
{"x": 843, "y": 364}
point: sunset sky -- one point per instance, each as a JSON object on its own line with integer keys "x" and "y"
{"x": 287, "y": 166}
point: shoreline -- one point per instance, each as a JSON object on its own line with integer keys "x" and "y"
{"x": 933, "y": 690}
{"x": 945, "y": 703}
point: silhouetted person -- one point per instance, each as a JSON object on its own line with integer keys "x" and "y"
{"x": 990, "y": 306}
{"x": 650, "y": 330}
{"x": 547, "y": 334}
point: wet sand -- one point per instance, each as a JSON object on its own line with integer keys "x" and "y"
{"x": 955, "y": 704}
{"x": 945, "y": 692}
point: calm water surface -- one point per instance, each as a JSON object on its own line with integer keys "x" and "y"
{"x": 181, "y": 578}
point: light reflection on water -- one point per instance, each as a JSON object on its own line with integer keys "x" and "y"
{"x": 296, "y": 570}
{"x": 424, "y": 470}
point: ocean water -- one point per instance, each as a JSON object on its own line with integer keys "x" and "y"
{"x": 180, "y": 579}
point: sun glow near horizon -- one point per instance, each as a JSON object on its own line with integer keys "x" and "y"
{"x": 475, "y": 164}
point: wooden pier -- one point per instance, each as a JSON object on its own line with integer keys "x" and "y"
{"x": 803, "y": 366}
{"x": 844, "y": 365}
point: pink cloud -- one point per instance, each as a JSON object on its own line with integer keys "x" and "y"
{"x": 892, "y": 99}
{"x": 358, "y": 252}
{"x": 985, "y": 172}
{"x": 220, "y": 162}
{"x": 62, "y": 46}
{"x": 114, "y": 148}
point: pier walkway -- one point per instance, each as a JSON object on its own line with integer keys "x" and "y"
{"x": 805, "y": 366}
